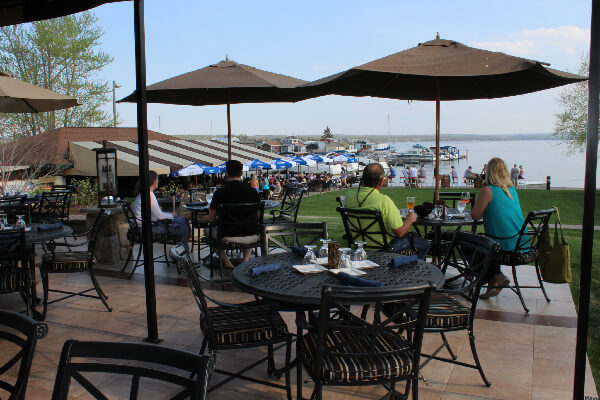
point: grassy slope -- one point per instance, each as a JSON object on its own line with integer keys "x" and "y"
{"x": 570, "y": 203}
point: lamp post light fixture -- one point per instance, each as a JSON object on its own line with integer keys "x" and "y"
{"x": 106, "y": 174}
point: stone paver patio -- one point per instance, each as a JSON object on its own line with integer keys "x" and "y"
{"x": 524, "y": 356}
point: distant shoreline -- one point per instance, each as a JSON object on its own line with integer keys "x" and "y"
{"x": 397, "y": 138}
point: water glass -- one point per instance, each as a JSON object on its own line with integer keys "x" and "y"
{"x": 323, "y": 249}
{"x": 460, "y": 205}
{"x": 438, "y": 211}
{"x": 345, "y": 261}
{"x": 360, "y": 254}
{"x": 309, "y": 257}
{"x": 3, "y": 221}
{"x": 20, "y": 222}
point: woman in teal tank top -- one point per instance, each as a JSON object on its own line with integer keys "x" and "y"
{"x": 498, "y": 204}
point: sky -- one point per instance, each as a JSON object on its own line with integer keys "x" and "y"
{"x": 313, "y": 39}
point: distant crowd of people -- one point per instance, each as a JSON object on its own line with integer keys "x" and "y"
{"x": 271, "y": 186}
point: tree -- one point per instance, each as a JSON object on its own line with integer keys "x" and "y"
{"x": 570, "y": 125}
{"x": 327, "y": 134}
{"x": 61, "y": 55}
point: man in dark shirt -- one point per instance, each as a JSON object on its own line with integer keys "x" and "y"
{"x": 232, "y": 192}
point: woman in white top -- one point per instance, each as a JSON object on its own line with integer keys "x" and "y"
{"x": 162, "y": 223}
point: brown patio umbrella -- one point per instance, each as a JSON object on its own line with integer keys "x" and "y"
{"x": 14, "y": 12}
{"x": 445, "y": 70}
{"x": 21, "y": 97}
{"x": 226, "y": 82}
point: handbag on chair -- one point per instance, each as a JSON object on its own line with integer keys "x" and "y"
{"x": 555, "y": 258}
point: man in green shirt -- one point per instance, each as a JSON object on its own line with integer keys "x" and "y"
{"x": 369, "y": 197}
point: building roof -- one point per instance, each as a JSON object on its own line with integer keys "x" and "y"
{"x": 56, "y": 142}
{"x": 273, "y": 143}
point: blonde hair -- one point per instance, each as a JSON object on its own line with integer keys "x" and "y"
{"x": 497, "y": 175}
{"x": 253, "y": 180}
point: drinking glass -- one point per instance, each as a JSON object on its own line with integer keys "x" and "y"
{"x": 410, "y": 203}
{"x": 20, "y": 222}
{"x": 438, "y": 211}
{"x": 465, "y": 199}
{"x": 323, "y": 250}
{"x": 360, "y": 254}
{"x": 3, "y": 221}
{"x": 345, "y": 261}
{"x": 460, "y": 205}
{"x": 309, "y": 257}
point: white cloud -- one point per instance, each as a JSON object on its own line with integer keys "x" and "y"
{"x": 554, "y": 43}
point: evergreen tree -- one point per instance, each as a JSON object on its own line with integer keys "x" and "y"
{"x": 327, "y": 134}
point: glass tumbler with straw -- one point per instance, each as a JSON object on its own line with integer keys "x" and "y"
{"x": 360, "y": 254}
{"x": 309, "y": 257}
{"x": 438, "y": 211}
{"x": 323, "y": 249}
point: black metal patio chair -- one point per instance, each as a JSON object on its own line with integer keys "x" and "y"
{"x": 526, "y": 251}
{"x": 283, "y": 236}
{"x": 134, "y": 235}
{"x": 237, "y": 227}
{"x": 153, "y": 369}
{"x": 65, "y": 262}
{"x": 290, "y": 204}
{"x": 453, "y": 307}
{"x": 16, "y": 268}
{"x": 237, "y": 326}
{"x": 53, "y": 207}
{"x": 23, "y": 333}
{"x": 343, "y": 349}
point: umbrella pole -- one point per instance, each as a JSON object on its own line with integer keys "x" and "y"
{"x": 228, "y": 131}
{"x": 436, "y": 195}
{"x": 589, "y": 198}
{"x": 142, "y": 121}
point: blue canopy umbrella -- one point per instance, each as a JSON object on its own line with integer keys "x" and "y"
{"x": 192, "y": 169}
{"x": 257, "y": 164}
{"x": 352, "y": 160}
{"x": 283, "y": 164}
{"x": 299, "y": 160}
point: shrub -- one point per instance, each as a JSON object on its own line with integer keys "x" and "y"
{"x": 86, "y": 192}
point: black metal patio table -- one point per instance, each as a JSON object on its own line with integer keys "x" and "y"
{"x": 303, "y": 291}
{"x": 289, "y": 286}
{"x": 35, "y": 236}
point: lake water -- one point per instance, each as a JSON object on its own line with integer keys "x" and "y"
{"x": 540, "y": 158}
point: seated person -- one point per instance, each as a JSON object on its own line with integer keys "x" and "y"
{"x": 468, "y": 177}
{"x": 162, "y": 223}
{"x": 413, "y": 175}
{"x": 422, "y": 174}
{"x": 232, "y": 192}
{"x": 368, "y": 197}
{"x": 498, "y": 205}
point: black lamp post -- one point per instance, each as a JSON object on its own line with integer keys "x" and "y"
{"x": 106, "y": 174}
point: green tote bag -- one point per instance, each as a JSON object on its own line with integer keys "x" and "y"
{"x": 555, "y": 258}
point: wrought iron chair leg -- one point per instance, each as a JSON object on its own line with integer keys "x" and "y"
{"x": 476, "y": 358}
{"x": 101, "y": 294}
{"x": 137, "y": 261}
{"x": 128, "y": 258}
{"x": 539, "y": 276}
{"x": 203, "y": 347}
{"x": 447, "y": 345}
{"x": 45, "y": 290}
{"x": 288, "y": 356}
{"x": 271, "y": 361}
{"x": 518, "y": 289}
{"x": 299, "y": 363}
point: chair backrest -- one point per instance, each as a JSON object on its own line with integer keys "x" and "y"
{"x": 341, "y": 201}
{"x": 12, "y": 200}
{"x": 290, "y": 204}
{"x": 13, "y": 247}
{"x": 282, "y": 236}
{"x": 467, "y": 262}
{"x": 239, "y": 219}
{"x": 134, "y": 226}
{"x": 198, "y": 194}
{"x": 66, "y": 188}
{"x": 452, "y": 197}
{"x": 344, "y": 325}
{"x": 53, "y": 206}
{"x": 172, "y": 367}
{"x": 530, "y": 234}
{"x": 366, "y": 226}
{"x": 23, "y": 332}
{"x": 95, "y": 230}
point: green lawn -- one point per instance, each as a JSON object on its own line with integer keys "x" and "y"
{"x": 570, "y": 203}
